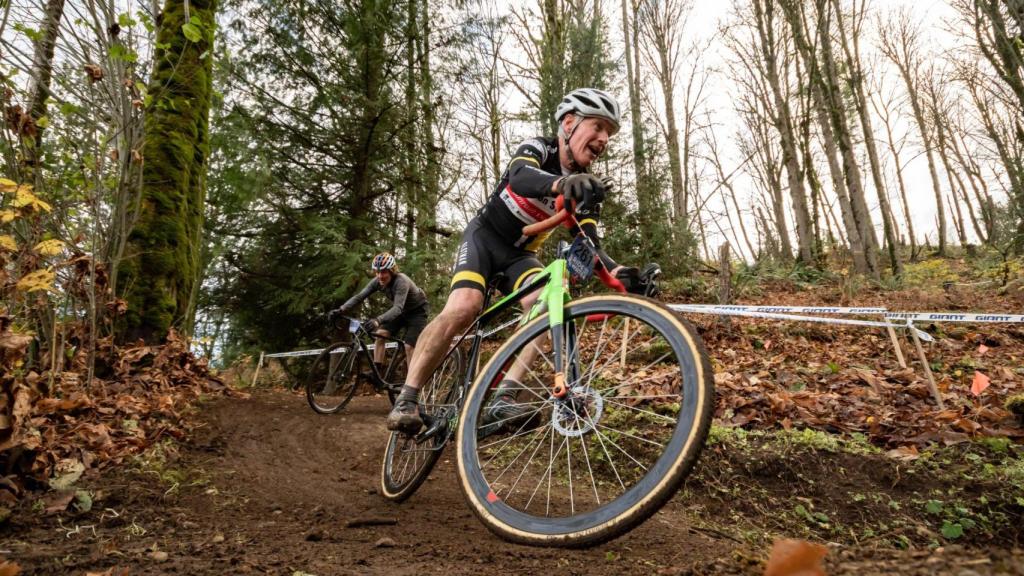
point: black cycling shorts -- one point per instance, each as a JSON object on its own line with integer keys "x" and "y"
{"x": 484, "y": 254}
{"x": 413, "y": 321}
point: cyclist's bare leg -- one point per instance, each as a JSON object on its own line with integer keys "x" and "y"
{"x": 409, "y": 349}
{"x": 517, "y": 372}
{"x": 380, "y": 345}
{"x": 459, "y": 312}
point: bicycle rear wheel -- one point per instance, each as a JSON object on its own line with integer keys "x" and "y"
{"x": 408, "y": 460}
{"x": 333, "y": 379}
{"x": 592, "y": 465}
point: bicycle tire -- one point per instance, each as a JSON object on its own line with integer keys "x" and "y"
{"x": 620, "y": 418}
{"x": 333, "y": 379}
{"x": 408, "y": 464}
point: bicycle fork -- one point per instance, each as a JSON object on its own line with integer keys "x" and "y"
{"x": 553, "y": 298}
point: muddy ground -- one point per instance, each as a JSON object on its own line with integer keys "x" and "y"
{"x": 264, "y": 485}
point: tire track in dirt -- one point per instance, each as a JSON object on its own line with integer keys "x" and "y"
{"x": 266, "y": 486}
{"x": 277, "y": 455}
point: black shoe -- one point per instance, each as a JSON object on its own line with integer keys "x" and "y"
{"x": 504, "y": 414}
{"x": 405, "y": 417}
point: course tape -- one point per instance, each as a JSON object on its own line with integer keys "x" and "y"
{"x": 973, "y": 317}
{"x": 698, "y": 309}
{"x": 976, "y": 317}
{"x": 793, "y": 309}
{"x": 781, "y": 313}
{"x": 390, "y": 345}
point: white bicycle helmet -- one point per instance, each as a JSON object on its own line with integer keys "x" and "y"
{"x": 383, "y": 261}
{"x": 590, "y": 102}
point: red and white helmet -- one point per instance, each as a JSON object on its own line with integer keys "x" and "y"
{"x": 383, "y": 261}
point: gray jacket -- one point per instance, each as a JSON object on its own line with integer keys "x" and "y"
{"x": 405, "y": 296}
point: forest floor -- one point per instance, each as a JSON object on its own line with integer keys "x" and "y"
{"x": 267, "y": 486}
{"x": 819, "y": 435}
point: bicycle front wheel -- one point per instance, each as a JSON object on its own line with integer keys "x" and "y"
{"x": 333, "y": 379}
{"x": 589, "y": 466}
{"x": 408, "y": 460}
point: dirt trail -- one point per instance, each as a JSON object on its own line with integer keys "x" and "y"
{"x": 266, "y": 486}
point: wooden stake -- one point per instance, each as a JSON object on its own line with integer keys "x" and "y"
{"x": 256, "y": 374}
{"x": 724, "y": 283}
{"x": 895, "y": 343}
{"x": 927, "y": 368}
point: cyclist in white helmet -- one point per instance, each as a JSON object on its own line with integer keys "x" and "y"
{"x": 409, "y": 306}
{"x": 493, "y": 244}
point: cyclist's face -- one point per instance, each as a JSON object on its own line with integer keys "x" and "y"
{"x": 590, "y": 140}
{"x": 383, "y": 276}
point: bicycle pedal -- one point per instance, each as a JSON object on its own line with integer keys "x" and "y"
{"x": 432, "y": 429}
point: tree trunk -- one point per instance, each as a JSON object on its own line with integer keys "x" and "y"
{"x": 427, "y": 207}
{"x": 410, "y": 173}
{"x": 666, "y": 78}
{"x": 784, "y": 125}
{"x": 860, "y": 99}
{"x": 958, "y": 218}
{"x": 725, "y": 182}
{"x": 973, "y": 178}
{"x": 884, "y": 112}
{"x": 162, "y": 261}
{"x": 42, "y": 72}
{"x": 639, "y": 152}
{"x": 551, "y": 70}
{"x": 831, "y": 117}
{"x": 837, "y": 113}
{"x": 853, "y": 237}
{"x": 902, "y": 51}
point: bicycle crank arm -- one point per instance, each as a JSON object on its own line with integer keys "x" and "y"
{"x": 433, "y": 426}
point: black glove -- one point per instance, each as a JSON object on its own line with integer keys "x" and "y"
{"x": 649, "y": 276}
{"x": 371, "y": 325}
{"x": 630, "y": 278}
{"x": 609, "y": 184}
{"x": 338, "y": 312}
{"x": 586, "y": 189}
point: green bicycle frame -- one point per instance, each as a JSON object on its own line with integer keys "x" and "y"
{"x": 553, "y": 282}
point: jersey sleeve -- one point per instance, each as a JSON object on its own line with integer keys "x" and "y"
{"x": 525, "y": 175}
{"x": 363, "y": 294}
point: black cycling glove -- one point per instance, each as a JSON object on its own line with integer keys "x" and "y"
{"x": 630, "y": 278}
{"x": 586, "y": 189}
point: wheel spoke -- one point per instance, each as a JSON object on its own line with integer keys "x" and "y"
{"x": 627, "y": 373}
{"x": 648, "y": 412}
{"x": 628, "y": 435}
{"x": 586, "y": 456}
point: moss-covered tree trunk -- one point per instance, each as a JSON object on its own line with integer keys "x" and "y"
{"x": 161, "y": 269}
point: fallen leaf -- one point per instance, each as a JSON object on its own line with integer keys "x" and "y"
{"x": 58, "y": 502}
{"x": 159, "y": 555}
{"x": 795, "y": 558}
{"x": 8, "y": 568}
{"x": 905, "y": 453}
{"x": 67, "y": 472}
{"x": 980, "y": 383}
